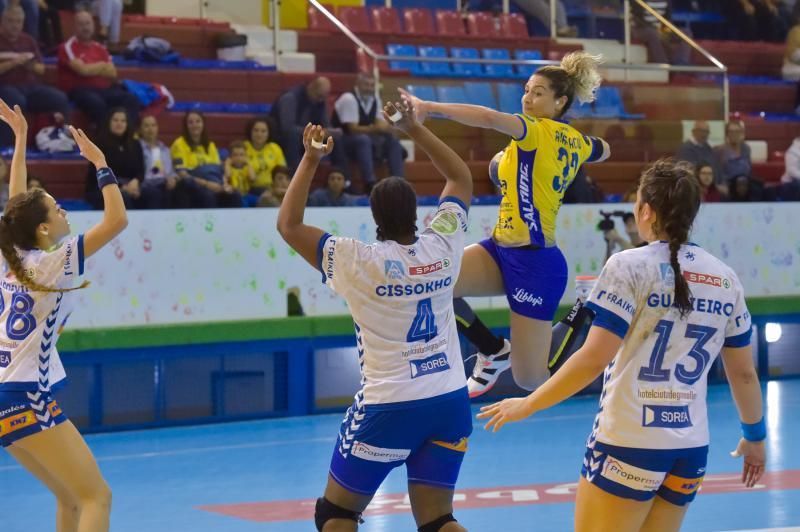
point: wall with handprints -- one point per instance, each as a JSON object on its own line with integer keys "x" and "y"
{"x": 206, "y": 266}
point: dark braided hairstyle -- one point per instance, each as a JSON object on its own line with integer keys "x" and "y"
{"x": 23, "y": 214}
{"x": 394, "y": 208}
{"x": 673, "y": 192}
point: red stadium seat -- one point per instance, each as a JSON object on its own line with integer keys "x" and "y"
{"x": 385, "y": 20}
{"x": 355, "y": 18}
{"x": 482, "y": 24}
{"x": 319, "y": 22}
{"x": 513, "y": 26}
{"x": 419, "y": 21}
{"x": 365, "y": 62}
{"x": 450, "y": 23}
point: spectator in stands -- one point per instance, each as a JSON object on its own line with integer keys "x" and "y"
{"x": 333, "y": 195}
{"x": 160, "y": 179}
{"x": 744, "y": 188}
{"x": 705, "y": 175}
{"x": 21, "y": 70}
{"x": 297, "y": 107}
{"x": 35, "y": 182}
{"x": 109, "y": 12}
{"x": 697, "y": 150}
{"x": 540, "y": 10}
{"x": 733, "y": 157}
{"x": 198, "y": 164}
{"x": 87, "y": 74}
{"x": 756, "y": 20}
{"x": 791, "y": 57}
{"x": 663, "y": 46}
{"x": 583, "y": 189}
{"x": 124, "y": 154}
{"x": 240, "y": 174}
{"x": 634, "y": 240}
{"x": 264, "y": 154}
{"x": 367, "y": 137}
{"x": 790, "y": 181}
{"x": 31, "y": 9}
{"x": 273, "y": 197}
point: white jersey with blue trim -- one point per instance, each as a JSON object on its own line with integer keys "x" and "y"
{"x": 30, "y": 322}
{"x": 401, "y": 299}
{"x": 654, "y": 391}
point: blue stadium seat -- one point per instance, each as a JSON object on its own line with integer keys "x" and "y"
{"x": 480, "y": 93}
{"x": 609, "y": 104}
{"x": 526, "y": 71}
{"x": 467, "y": 70}
{"x": 403, "y": 49}
{"x": 423, "y": 92}
{"x": 509, "y": 96}
{"x": 497, "y": 71}
{"x": 451, "y": 94}
{"x": 434, "y": 69}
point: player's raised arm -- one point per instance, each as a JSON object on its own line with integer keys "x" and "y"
{"x": 18, "y": 180}
{"x": 301, "y": 237}
{"x": 115, "y": 217}
{"x": 403, "y": 116}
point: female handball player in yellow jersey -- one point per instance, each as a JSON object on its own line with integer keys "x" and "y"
{"x": 521, "y": 259}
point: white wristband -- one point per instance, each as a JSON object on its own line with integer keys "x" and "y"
{"x": 396, "y": 116}
{"x": 317, "y": 144}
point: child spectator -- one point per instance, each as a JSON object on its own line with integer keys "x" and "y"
{"x": 333, "y": 195}
{"x": 160, "y": 179}
{"x": 239, "y": 173}
{"x": 281, "y": 176}
{"x": 709, "y": 190}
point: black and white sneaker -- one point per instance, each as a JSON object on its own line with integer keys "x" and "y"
{"x": 487, "y": 370}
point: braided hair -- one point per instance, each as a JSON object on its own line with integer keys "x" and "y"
{"x": 394, "y": 208}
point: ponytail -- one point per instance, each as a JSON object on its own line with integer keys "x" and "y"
{"x": 577, "y": 77}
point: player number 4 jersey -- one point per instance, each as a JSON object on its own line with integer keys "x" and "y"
{"x": 401, "y": 299}
{"x": 30, "y": 322}
{"x": 654, "y": 391}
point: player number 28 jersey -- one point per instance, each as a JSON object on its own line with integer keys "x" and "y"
{"x": 654, "y": 391}
{"x": 401, "y": 299}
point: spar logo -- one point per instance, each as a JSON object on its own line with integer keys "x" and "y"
{"x": 704, "y": 278}
{"x": 429, "y": 268}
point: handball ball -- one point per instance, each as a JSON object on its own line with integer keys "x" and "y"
{"x": 494, "y": 165}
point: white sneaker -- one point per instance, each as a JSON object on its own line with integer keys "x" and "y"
{"x": 487, "y": 369}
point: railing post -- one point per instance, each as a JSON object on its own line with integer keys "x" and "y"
{"x": 553, "y": 29}
{"x": 627, "y": 53}
{"x": 276, "y": 28}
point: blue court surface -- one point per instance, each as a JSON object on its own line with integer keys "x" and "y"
{"x": 264, "y": 475}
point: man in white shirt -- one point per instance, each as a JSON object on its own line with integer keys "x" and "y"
{"x": 367, "y": 137}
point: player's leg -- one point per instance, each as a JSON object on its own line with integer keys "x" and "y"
{"x": 433, "y": 508}
{"x": 339, "y": 510}
{"x": 677, "y": 491}
{"x": 531, "y": 339}
{"x": 480, "y": 274}
{"x": 664, "y": 516}
{"x": 596, "y": 509}
{"x": 63, "y": 453}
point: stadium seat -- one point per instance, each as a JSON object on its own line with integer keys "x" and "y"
{"x": 318, "y": 21}
{"x": 513, "y": 26}
{"x": 609, "y": 104}
{"x": 469, "y": 70}
{"x": 451, "y": 94}
{"x": 364, "y": 62}
{"x": 526, "y": 71}
{"x": 419, "y": 21}
{"x": 434, "y": 69}
{"x": 355, "y": 18}
{"x": 449, "y": 23}
{"x": 403, "y": 49}
{"x": 484, "y": 25}
{"x": 385, "y": 20}
{"x": 509, "y": 96}
{"x": 480, "y": 93}
{"x": 423, "y": 92}
{"x": 497, "y": 71}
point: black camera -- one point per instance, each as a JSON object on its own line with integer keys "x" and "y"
{"x": 607, "y": 224}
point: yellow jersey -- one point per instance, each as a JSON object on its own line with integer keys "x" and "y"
{"x": 264, "y": 161}
{"x": 239, "y": 178}
{"x": 185, "y": 156}
{"x": 534, "y": 172}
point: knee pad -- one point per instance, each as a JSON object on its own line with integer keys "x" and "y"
{"x": 325, "y": 510}
{"x": 436, "y": 524}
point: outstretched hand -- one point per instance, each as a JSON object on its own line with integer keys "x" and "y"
{"x": 15, "y": 119}
{"x": 754, "y": 455}
{"x": 420, "y": 106}
{"x": 505, "y": 411}
{"x": 89, "y": 150}
{"x": 401, "y": 115}
{"x": 315, "y": 143}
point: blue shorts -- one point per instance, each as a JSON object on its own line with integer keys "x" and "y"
{"x": 674, "y": 475}
{"x": 26, "y": 413}
{"x": 428, "y": 436}
{"x": 534, "y": 278}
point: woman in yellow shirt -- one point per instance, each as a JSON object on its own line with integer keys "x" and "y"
{"x": 199, "y": 168}
{"x": 263, "y": 155}
{"x": 521, "y": 259}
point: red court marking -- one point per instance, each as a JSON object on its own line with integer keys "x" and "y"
{"x": 491, "y": 497}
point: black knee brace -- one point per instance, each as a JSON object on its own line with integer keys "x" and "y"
{"x": 325, "y": 510}
{"x": 436, "y": 524}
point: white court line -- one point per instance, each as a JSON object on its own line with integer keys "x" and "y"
{"x": 788, "y": 529}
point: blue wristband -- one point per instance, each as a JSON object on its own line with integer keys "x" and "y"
{"x": 105, "y": 177}
{"x": 755, "y": 431}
